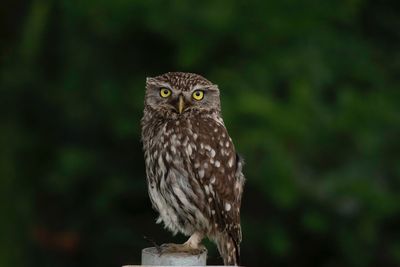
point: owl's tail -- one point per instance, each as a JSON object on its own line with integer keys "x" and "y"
{"x": 228, "y": 247}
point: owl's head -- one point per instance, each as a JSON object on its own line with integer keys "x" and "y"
{"x": 176, "y": 94}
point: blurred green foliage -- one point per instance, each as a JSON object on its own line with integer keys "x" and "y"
{"x": 310, "y": 94}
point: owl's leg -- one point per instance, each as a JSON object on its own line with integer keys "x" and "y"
{"x": 192, "y": 246}
{"x": 194, "y": 241}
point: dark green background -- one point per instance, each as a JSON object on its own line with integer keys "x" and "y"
{"x": 310, "y": 94}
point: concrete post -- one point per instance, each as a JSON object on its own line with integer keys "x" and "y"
{"x": 150, "y": 256}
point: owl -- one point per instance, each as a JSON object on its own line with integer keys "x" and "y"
{"x": 194, "y": 174}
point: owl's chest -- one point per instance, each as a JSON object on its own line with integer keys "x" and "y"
{"x": 169, "y": 146}
{"x": 175, "y": 141}
{"x": 186, "y": 145}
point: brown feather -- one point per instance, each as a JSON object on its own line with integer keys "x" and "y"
{"x": 194, "y": 175}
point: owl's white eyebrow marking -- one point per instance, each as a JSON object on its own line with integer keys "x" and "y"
{"x": 200, "y": 87}
{"x": 208, "y": 87}
{"x": 158, "y": 83}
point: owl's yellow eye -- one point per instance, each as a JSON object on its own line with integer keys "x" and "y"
{"x": 164, "y": 92}
{"x": 198, "y": 95}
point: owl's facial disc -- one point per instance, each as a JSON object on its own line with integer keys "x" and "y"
{"x": 175, "y": 94}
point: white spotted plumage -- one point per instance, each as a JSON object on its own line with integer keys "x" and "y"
{"x": 194, "y": 175}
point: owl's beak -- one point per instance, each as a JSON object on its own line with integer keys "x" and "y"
{"x": 181, "y": 104}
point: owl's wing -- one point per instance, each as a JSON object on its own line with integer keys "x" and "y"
{"x": 219, "y": 170}
{"x": 228, "y": 189}
{"x": 228, "y": 192}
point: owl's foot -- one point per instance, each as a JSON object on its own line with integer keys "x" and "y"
{"x": 182, "y": 248}
{"x": 193, "y": 246}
